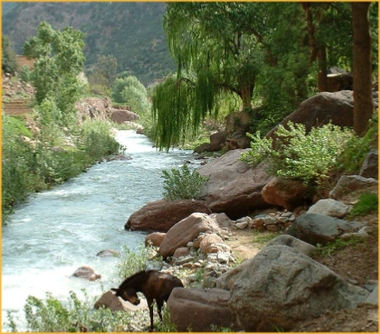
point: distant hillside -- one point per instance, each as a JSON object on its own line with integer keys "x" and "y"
{"x": 130, "y": 31}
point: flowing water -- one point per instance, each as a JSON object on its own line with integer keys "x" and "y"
{"x": 57, "y": 231}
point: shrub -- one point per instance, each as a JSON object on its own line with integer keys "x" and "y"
{"x": 96, "y": 140}
{"x": 305, "y": 156}
{"x": 52, "y": 315}
{"x": 182, "y": 183}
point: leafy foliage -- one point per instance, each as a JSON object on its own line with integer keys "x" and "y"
{"x": 45, "y": 160}
{"x": 8, "y": 60}
{"x": 305, "y": 156}
{"x": 58, "y": 61}
{"x": 182, "y": 183}
{"x": 104, "y": 72}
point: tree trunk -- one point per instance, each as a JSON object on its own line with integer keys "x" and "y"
{"x": 322, "y": 70}
{"x": 246, "y": 93}
{"x": 363, "y": 107}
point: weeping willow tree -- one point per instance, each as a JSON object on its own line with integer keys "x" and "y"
{"x": 214, "y": 59}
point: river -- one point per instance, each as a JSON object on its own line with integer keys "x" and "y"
{"x": 57, "y": 231}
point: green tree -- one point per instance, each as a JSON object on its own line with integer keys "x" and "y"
{"x": 226, "y": 48}
{"x": 9, "y": 60}
{"x": 58, "y": 62}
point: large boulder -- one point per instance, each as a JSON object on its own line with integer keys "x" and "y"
{"x": 186, "y": 230}
{"x": 325, "y": 107}
{"x": 330, "y": 207}
{"x": 281, "y": 287}
{"x": 120, "y": 116}
{"x": 320, "y": 229}
{"x": 200, "y": 310}
{"x": 350, "y": 183}
{"x": 286, "y": 193}
{"x": 161, "y": 215}
{"x": 233, "y": 186}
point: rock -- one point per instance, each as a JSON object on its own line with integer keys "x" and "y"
{"x": 322, "y": 108}
{"x": 319, "y": 229}
{"x": 162, "y": 215}
{"x": 155, "y": 239}
{"x": 217, "y": 140}
{"x": 339, "y": 81}
{"x": 186, "y": 230}
{"x": 350, "y": 183}
{"x": 227, "y": 280}
{"x": 86, "y": 272}
{"x": 370, "y": 166}
{"x": 198, "y": 310}
{"x": 222, "y": 220}
{"x": 281, "y": 287}
{"x": 373, "y": 298}
{"x": 233, "y": 187}
{"x": 208, "y": 243}
{"x": 330, "y": 207}
{"x": 181, "y": 252}
{"x": 290, "y": 241}
{"x": 107, "y": 253}
{"x": 205, "y": 147}
{"x": 110, "y": 300}
{"x": 286, "y": 193}
{"x": 120, "y": 116}
{"x": 241, "y": 225}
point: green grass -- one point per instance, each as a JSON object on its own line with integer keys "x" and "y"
{"x": 334, "y": 246}
{"x": 262, "y": 238}
{"x": 368, "y": 203}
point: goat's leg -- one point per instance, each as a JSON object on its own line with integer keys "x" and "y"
{"x": 151, "y": 315}
{"x": 159, "y": 307}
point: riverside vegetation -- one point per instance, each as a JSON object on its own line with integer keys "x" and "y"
{"x": 52, "y": 145}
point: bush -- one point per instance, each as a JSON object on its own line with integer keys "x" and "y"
{"x": 52, "y": 315}
{"x": 96, "y": 140}
{"x": 182, "y": 183}
{"x": 299, "y": 155}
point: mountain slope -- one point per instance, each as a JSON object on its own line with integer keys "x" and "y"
{"x": 130, "y": 31}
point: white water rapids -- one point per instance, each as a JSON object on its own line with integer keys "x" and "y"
{"x": 57, "y": 231}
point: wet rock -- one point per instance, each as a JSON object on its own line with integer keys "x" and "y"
{"x": 107, "y": 253}
{"x": 86, "y": 272}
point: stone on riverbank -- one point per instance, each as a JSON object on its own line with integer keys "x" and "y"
{"x": 160, "y": 216}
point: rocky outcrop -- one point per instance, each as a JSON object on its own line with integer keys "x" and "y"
{"x": 233, "y": 187}
{"x": 200, "y": 310}
{"x": 86, "y": 272}
{"x": 94, "y": 108}
{"x": 290, "y": 241}
{"x": 185, "y": 231}
{"x": 121, "y": 116}
{"x": 286, "y": 193}
{"x": 319, "y": 229}
{"x": 281, "y": 287}
{"x": 350, "y": 183}
{"x": 160, "y": 216}
{"x": 337, "y": 107}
